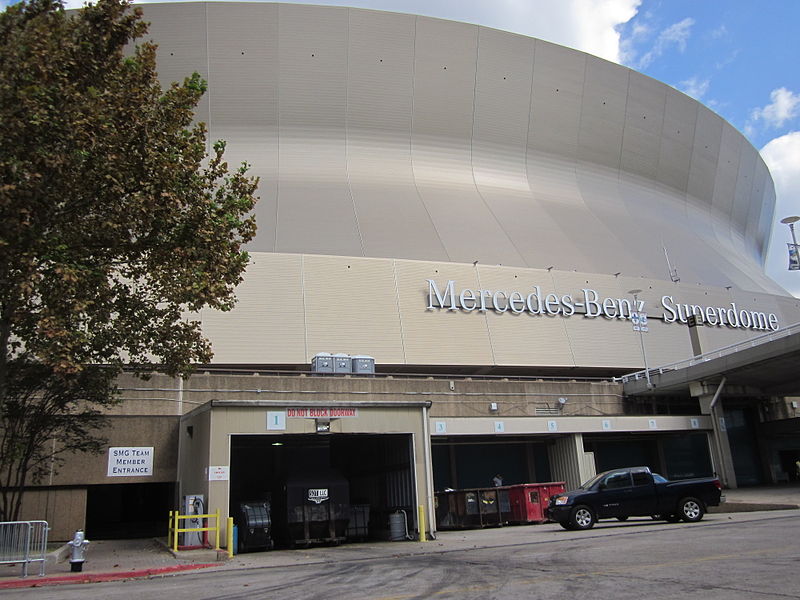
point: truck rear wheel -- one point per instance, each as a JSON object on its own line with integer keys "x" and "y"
{"x": 582, "y": 517}
{"x": 691, "y": 510}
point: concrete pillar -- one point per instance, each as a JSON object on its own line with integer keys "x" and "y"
{"x": 720, "y": 445}
{"x": 568, "y": 461}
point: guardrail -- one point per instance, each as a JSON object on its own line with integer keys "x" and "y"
{"x": 718, "y": 353}
{"x": 24, "y": 542}
{"x": 174, "y": 528}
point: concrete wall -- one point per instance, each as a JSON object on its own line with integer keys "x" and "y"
{"x": 292, "y": 307}
{"x": 64, "y": 509}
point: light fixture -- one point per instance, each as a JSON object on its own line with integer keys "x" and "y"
{"x": 277, "y": 443}
{"x": 562, "y": 401}
{"x": 493, "y": 406}
{"x": 323, "y": 425}
{"x": 794, "y": 249}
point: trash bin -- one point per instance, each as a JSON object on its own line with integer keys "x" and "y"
{"x": 473, "y": 508}
{"x": 358, "y": 527}
{"x": 254, "y": 526}
{"x": 529, "y": 500}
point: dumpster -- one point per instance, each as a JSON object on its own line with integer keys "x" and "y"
{"x": 253, "y": 526}
{"x": 472, "y": 508}
{"x": 317, "y": 508}
{"x": 529, "y": 500}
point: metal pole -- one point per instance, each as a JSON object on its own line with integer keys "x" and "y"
{"x": 641, "y": 340}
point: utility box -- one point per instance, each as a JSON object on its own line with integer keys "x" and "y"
{"x": 322, "y": 363}
{"x": 342, "y": 363}
{"x": 193, "y": 504}
{"x": 529, "y": 500}
{"x": 363, "y": 365}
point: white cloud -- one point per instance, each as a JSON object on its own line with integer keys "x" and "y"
{"x": 694, "y": 87}
{"x": 587, "y": 25}
{"x": 782, "y": 156}
{"x": 675, "y": 35}
{"x": 785, "y": 105}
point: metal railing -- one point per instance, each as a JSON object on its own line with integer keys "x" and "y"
{"x": 174, "y": 528}
{"x": 24, "y": 542}
{"x": 713, "y": 354}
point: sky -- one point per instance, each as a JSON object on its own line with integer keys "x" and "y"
{"x": 738, "y": 57}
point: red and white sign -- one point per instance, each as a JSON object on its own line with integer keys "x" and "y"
{"x": 218, "y": 473}
{"x": 321, "y": 412}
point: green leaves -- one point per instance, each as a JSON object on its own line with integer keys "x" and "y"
{"x": 113, "y": 221}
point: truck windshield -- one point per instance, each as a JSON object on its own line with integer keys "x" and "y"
{"x": 592, "y": 481}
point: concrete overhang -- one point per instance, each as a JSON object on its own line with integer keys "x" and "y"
{"x": 771, "y": 368}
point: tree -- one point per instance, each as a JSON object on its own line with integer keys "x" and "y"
{"x": 44, "y": 418}
{"x": 115, "y": 222}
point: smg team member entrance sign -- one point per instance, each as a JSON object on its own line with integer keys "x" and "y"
{"x": 130, "y": 461}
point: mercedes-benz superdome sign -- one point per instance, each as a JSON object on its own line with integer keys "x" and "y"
{"x": 591, "y": 305}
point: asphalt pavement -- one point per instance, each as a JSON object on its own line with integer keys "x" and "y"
{"x": 110, "y": 560}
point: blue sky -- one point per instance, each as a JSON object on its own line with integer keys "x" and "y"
{"x": 738, "y": 57}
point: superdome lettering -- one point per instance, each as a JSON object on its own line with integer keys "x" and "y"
{"x": 590, "y": 305}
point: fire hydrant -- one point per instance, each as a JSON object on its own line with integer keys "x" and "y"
{"x": 77, "y": 551}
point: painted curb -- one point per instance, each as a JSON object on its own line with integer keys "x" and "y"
{"x": 33, "y": 581}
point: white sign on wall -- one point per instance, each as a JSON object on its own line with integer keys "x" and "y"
{"x": 276, "y": 420}
{"x": 130, "y": 462}
{"x": 218, "y": 473}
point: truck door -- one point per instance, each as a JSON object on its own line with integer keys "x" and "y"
{"x": 616, "y": 493}
{"x": 643, "y": 496}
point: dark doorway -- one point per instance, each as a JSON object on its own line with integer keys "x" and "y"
{"x": 378, "y": 470}
{"x": 741, "y": 426}
{"x": 463, "y": 465}
{"x": 128, "y": 510}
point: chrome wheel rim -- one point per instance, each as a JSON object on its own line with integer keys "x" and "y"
{"x": 691, "y": 510}
{"x": 583, "y": 517}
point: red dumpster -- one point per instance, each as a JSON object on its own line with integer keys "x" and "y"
{"x": 529, "y": 500}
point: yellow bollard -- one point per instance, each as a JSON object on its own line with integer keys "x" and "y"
{"x": 216, "y": 527}
{"x": 229, "y": 535}
{"x": 422, "y": 536}
{"x": 176, "y": 514}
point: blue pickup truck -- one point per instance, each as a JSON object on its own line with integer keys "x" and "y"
{"x": 634, "y": 492}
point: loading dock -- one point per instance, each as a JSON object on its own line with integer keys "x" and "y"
{"x": 243, "y": 451}
{"x": 378, "y": 470}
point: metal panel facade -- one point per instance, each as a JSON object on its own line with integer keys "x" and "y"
{"x": 393, "y": 149}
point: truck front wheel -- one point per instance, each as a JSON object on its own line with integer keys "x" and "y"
{"x": 582, "y": 517}
{"x": 691, "y": 510}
